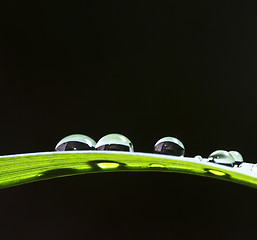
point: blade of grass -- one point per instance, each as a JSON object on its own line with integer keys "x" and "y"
{"x": 31, "y": 167}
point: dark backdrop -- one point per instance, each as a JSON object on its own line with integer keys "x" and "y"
{"x": 145, "y": 69}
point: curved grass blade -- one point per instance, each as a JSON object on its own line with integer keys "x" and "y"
{"x": 31, "y": 167}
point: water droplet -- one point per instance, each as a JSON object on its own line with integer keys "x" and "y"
{"x": 76, "y": 142}
{"x": 169, "y": 146}
{"x": 198, "y": 157}
{"x": 237, "y": 156}
{"x": 115, "y": 142}
{"x": 254, "y": 168}
{"x": 222, "y": 157}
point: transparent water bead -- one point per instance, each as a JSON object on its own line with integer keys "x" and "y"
{"x": 237, "y": 156}
{"x": 222, "y": 157}
{"x": 76, "y": 142}
{"x": 254, "y": 168}
{"x": 198, "y": 157}
{"x": 169, "y": 146}
{"x": 115, "y": 142}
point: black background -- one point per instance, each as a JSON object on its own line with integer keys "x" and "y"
{"x": 143, "y": 69}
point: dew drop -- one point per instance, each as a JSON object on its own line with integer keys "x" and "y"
{"x": 237, "y": 156}
{"x": 169, "y": 146}
{"x": 76, "y": 142}
{"x": 115, "y": 142}
{"x": 222, "y": 157}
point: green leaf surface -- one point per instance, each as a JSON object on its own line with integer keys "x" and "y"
{"x": 31, "y": 167}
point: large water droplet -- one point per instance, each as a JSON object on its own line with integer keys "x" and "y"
{"x": 169, "y": 146}
{"x": 76, "y": 142}
{"x": 222, "y": 157}
{"x": 115, "y": 142}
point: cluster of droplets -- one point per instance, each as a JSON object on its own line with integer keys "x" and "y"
{"x": 118, "y": 142}
{"x": 227, "y": 158}
{"x": 167, "y": 145}
{"x": 113, "y": 142}
{"x": 231, "y": 158}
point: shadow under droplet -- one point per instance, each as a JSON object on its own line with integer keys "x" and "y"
{"x": 57, "y": 173}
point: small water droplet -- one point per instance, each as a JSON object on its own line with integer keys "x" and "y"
{"x": 254, "y": 168}
{"x": 237, "y": 156}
